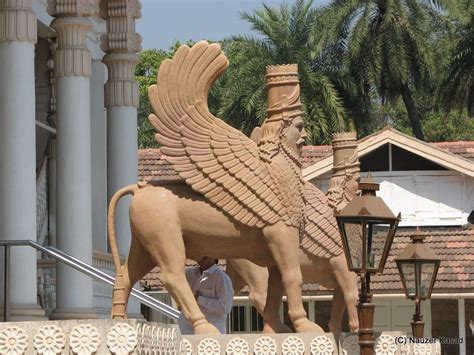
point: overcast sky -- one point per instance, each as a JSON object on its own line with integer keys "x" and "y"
{"x": 163, "y": 22}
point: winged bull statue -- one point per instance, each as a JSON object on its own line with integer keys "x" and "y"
{"x": 240, "y": 199}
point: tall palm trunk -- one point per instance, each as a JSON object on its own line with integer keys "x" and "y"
{"x": 411, "y": 111}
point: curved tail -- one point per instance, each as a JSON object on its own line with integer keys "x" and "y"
{"x": 118, "y": 297}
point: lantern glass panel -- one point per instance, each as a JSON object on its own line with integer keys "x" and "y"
{"x": 376, "y": 238}
{"x": 408, "y": 271}
{"x": 354, "y": 237}
{"x": 426, "y": 275}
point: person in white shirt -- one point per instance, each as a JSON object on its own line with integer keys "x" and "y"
{"x": 214, "y": 294}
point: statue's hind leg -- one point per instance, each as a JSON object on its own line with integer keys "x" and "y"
{"x": 136, "y": 266}
{"x": 283, "y": 243}
{"x": 170, "y": 255}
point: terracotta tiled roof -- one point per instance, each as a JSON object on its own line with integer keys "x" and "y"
{"x": 464, "y": 149}
{"x": 152, "y": 167}
{"x": 455, "y": 247}
{"x": 313, "y": 153}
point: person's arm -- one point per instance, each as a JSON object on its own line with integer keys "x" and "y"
{"x": 225, "y": 296}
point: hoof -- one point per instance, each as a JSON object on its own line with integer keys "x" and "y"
{"x": 206, "y": 328}
{"x": 305, "y": 326}
{"x": 276, "y": 327}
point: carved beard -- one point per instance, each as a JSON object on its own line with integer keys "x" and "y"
{"x": 293, "y": 151}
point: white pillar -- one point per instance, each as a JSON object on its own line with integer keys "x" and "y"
{"x": 462, "y": 325}
{"x": 17, "y": 151}
{"x": 121, "y": 100}
{"x": 74, "y": 297}
{"x": 99, "y": 158}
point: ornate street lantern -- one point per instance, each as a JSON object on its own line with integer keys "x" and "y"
{"x": 418, "y": 267}
{"x": 367, "y": 228}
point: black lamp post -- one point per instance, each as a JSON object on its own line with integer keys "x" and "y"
{"x": 418, "y": 267}
{"x": 367, "y": 228}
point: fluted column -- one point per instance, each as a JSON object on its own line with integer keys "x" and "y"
{"x": 17, "y": 152}
{"x": 121, "y": 99}
{"x": 72, "y": 65}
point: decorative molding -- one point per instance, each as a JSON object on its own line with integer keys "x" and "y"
{"x": 17, "y": 21}
{"x": 350, "y": 345}
{"x": 122, "y": 339}
{"x": 321, "y": 345}
{"x": 71, "y": 8}
{"x": 13, "y": 341}
{"x": 265, "y": 346}
{"x": 121, "y": 88}
{"x": 209, "y": 346}
{"x": 186, "y": 347}
{"x": 237, "y": 346}
{"x": 424, "y": 349}
{"x": 385, "y": 345}
{"x": 84, "y": 339}
{"x": 72, "y": 58}
{"x": 49, "y": 340}
{"x": 293, "y": 345}
{"x": 120, "y": 16}
{"x": 121, "y": 42}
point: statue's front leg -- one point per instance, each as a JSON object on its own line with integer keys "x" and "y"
{"x": 283, "y": 243}
{"x": 271, "y": 314}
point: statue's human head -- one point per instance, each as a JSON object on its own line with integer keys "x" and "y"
{"x": 284, "y": 125}
{"x": 343, "y": 185}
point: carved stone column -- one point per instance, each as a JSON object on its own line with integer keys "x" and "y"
{"x": 17, "y": 152}
{"x": 72, "y": 66}
{"x": 121, "y": 99}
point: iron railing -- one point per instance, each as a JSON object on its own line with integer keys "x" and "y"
{"x": 81, "y": 267}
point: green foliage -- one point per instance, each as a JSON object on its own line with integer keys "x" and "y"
{"x": 388, "y": 46}
{"x": 458, "y": 87}
{"x": 145, "y": 75}
{"x": 438, "y": 126}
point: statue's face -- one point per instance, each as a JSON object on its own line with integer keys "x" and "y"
{"x": 296, "y": 135}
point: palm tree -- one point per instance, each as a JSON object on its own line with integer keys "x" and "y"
{"x": 288, "y": 35}
{"x": 458, "y": 88}
{"x": 388, "y": 47}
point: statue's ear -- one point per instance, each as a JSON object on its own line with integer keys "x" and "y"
{"x": 255, "y": 136}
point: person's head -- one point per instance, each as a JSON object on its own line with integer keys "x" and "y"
{"x": 206, "y": 262}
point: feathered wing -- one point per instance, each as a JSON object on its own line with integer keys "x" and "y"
{"x": 321, "y": 235}
{"x": 214, "y": 158}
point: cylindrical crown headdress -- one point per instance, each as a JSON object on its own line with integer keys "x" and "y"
{"x": 345, "y": 155}
{"x": 283, "y": 92}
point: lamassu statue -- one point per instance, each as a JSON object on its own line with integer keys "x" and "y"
{"x": 240, "y": 200}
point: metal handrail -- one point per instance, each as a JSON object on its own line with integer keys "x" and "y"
{"x": 80, "y": 266}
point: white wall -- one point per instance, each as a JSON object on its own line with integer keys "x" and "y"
{"x": 424, "y": 198}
